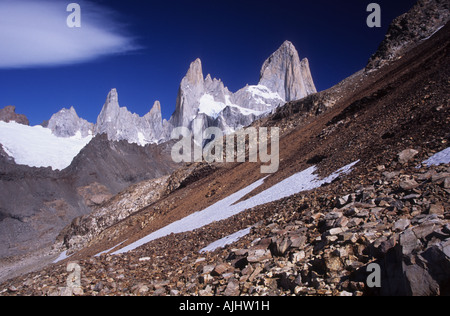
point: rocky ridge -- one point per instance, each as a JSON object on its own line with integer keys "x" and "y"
{"x": 284, "y": 77}
{"x": 120, "y": 124}
{"x": 409, "y": 30}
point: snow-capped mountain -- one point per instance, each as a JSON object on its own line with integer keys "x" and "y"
{"x": 283, "y": 78}
{"x": 67, "y": 123}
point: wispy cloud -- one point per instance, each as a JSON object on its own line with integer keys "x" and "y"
{"x": 35, "y": 34}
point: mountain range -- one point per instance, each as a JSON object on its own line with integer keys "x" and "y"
{"x": 283, "y": 78}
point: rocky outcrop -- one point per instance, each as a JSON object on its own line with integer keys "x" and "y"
{"x": 9, "y": 114}
{"x": 107, "y": 213}
{"x": 67, "y": 123}
{"x": 409, "y": 30}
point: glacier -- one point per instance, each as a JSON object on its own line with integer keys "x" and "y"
{"x": 36, "y": 146}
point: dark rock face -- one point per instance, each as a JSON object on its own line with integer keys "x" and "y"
{"x": 50, "y": 200}
{"x": 409, "y": 29}
{"x": 8, "y": 114}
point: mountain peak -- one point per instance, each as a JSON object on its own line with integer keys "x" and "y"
{"x": 67, "y": 123}
{"x": 284, "y": 73}
{"x": 156, "y": 109}
{"x": 287, "y": 45}
{"x": 194, "y": 75}
{"x": 113, "y": 97}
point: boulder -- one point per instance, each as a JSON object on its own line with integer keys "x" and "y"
{"x": 407, "y": 155}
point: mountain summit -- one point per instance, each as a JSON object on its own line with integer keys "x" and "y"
{"x": 285, "y": 74}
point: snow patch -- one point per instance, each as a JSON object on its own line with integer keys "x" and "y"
{"x": 228, "y": 207}
{"x": 141, "y": 142}
{"x": 227, "y": 240}
{"x": 440, "y": 158}
{"x": 36, "y": 146}
{"x": 211, "y": 107}
{"x": 110, "y": 249}
{"x": 261, "y": 91}
{"x": 62, "y": 256}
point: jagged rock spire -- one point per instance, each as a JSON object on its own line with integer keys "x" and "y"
{"x": 285, "y": 74}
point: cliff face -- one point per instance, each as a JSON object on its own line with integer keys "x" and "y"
{"x": 287, "y": 75}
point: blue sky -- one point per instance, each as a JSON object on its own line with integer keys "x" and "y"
{"x": 144, "y": 48}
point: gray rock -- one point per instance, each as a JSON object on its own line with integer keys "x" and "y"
{"x": 401, "y": 224}
{"x": 67, "y": 123}
{"x": 408, "y": 185}
{"x": 409, "y": 242}
{"x": 437, "y": 209}
{"x": 419, "y": 281}
{"x": 285, "y": 74}
{"x": 406, "y": 155}
{"x": 258, "y": 255}
{"x": 232, "y": 288}
{"x": 120, "y": 124}
{"x": 447, "y": 183}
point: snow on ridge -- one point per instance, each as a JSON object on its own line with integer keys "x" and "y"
{"x": 264, "y": 92}
{"x": 211, "y": 107}
{"x": 36, "y": 146}
{"x": 228, "y": 207}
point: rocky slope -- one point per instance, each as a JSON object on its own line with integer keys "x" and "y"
{"x": 50, "y": 200}
{"x": 113, "y": 210}
{"x": 391, "y": 209}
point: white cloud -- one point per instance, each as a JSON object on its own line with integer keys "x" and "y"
{"x": 35, "y": 34}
